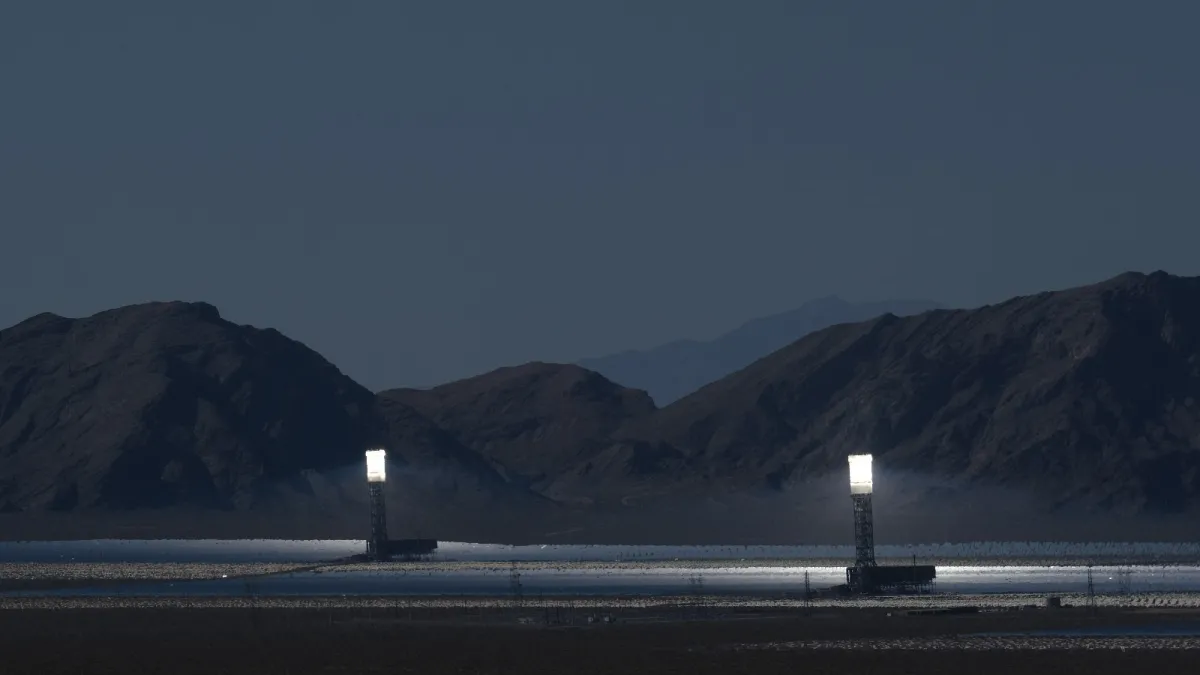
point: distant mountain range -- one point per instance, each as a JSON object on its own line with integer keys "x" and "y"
{"x": 1080, "y": 401}
{"x": 674, "y": 370}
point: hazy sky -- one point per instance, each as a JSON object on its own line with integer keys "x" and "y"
{"x": 426, "y": 190}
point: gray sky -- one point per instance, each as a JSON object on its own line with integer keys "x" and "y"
{"x": 426, "y": 190}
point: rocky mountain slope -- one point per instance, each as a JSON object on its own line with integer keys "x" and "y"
{"x": 533, "y": 422}
{"x": 169, "y": 405}
{"x": 1084, "y": 399}
{"x": 673, "y": 370}
{"x": 553, "y": 428}
{"x": 1090, "y": 395}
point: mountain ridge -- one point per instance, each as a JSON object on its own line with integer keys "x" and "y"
{"x": 674, "y": 369}
{"x": 1085, "y": 399}
{"x": 928, "y": 393}
{"x": 165, "y": 404}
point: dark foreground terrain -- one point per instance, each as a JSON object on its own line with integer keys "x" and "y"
{"x": 295, "y": 642}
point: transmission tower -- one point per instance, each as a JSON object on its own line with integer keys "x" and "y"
{"x": 807, "y": 593}
{"x": 696, "y": 590}
{"x": 1125, "y": 580}
{"x": 1091, "y": 591}
{"x": 514, "y": 584}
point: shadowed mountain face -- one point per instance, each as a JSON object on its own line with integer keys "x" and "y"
{"x": 1090, "y": 395}
{"x": 1088, "y": 398}
{"x": 167, "y": 404}
{"x": 676, "y": 369}
{"x": 532, "y": 421}
{"x": 538, "y": 424}
{"x": 1085, "y": 399}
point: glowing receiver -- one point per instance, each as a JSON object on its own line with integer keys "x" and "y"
{"x": 860, "y": 474}
{"x": 376, "y": 466}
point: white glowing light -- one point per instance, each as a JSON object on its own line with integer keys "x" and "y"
{"x": 860, "y": 474}
{"x": 376, "y": 466}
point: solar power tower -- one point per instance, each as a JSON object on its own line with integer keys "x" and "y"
{"x": 866, "y": 576}
{"x": 377, "y": 543}
{"x": 861, "y": 487}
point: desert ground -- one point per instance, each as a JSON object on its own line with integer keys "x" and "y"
{"x": 509, "y": 639}
{"x": 122, "y": 630}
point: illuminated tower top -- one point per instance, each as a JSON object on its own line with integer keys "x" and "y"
{"x": 376, "y": 466}
{"x": 860, "y": 474}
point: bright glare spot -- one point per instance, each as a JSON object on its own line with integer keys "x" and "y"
{"x": 376, "y": 466}
{"x": 860, "y": 474}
